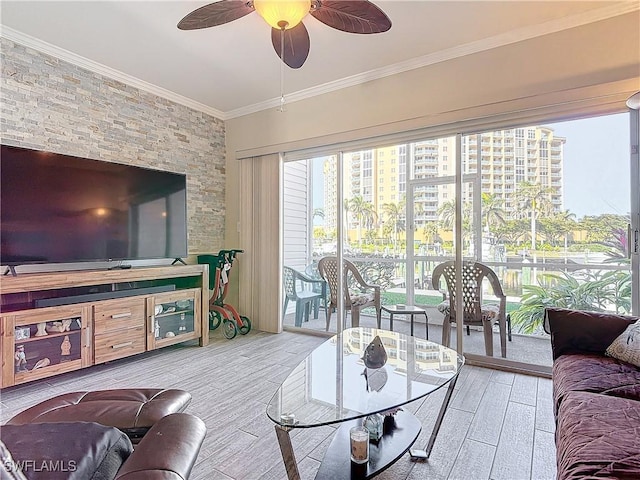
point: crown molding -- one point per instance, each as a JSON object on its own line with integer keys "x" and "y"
{"x": 514, "y": 36}
{"x": 95, "y": 67}
{"x": 526, "y": 33}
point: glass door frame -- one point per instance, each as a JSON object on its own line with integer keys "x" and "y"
{"x": 634, "y": 227}
{"x": 459, "y": 179}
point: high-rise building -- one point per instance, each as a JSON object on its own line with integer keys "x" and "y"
{"x": 503, "y": 158}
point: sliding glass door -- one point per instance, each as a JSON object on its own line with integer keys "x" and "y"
{"x": 545, "y": 206}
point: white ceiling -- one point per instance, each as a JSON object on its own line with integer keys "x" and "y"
{"x": 232, "y": 69}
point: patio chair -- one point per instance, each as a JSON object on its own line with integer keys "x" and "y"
{"x": 358, "y": 294}
{"x": 300, "y": 288}
{"x": 475, "y": 312}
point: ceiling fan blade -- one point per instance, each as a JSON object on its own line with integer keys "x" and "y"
{"x": 296, "y": 45}
{"x": 353, "y": 16}
{"x": 214, "y": 14}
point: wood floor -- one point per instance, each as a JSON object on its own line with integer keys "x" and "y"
{"x": 499, "y": 425}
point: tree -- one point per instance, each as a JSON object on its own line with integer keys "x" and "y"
{"x": 364, "y": 213}
{"x": 511, "y": 231}
{"x": 533, "y": 199}
{"x": 430, "y": 232}
{"x": 601, "y": 228}
{"x": 395, "y": 213}
{"x": 557, "y": 226}
{"x": 318, "y": 212}
{"x": 447, "y": 215}
{"x": 492, "y": 212}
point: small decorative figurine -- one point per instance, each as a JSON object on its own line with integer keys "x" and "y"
{"x": 375, "y": 356}
{"x": 43, "y": 362}
{"x": 42, "y": 329}
{"x": 374, "y": 424}
{"x": 65, "y": 346}
{"x": 183, "y": 327}
{"x": 67, "y": 325}
{"x": 20, "y": 359}
{"x": 55, "y": 327}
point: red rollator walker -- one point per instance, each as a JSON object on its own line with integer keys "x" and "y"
{"x": 219, "y": 311}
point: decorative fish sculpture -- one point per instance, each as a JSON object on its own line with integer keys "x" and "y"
{"x": 375, "y": 356}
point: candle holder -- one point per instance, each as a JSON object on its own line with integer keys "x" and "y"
{"x": 359, "y": 440}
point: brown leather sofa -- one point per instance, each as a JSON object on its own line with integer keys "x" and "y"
{"x": 596, "y": 397}
{"x": 82, "y": 435}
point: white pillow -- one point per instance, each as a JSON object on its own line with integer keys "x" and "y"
{"x": 626, "y": 346}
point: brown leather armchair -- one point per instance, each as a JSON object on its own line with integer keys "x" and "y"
{"x": 53, "y": 450}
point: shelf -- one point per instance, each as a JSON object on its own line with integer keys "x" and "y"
{"x": 43, "y": 372}
{"x": 393, "y": 444}
{"x": 45, "y": 337}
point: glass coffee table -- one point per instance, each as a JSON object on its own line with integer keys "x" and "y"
{"x": 344, "y": 380}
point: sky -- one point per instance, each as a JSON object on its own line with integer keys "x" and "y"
{"x": 596, "y": 166}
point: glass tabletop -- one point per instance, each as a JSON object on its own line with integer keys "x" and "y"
{"x": 360, "y": 372}
{"x": 402, "y": 309}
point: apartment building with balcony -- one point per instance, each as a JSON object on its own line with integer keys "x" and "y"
{"x": 506, "y": 159}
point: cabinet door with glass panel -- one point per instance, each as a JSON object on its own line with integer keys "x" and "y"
{"x": 44, "y": 342}
{"x": 173, "y": 317}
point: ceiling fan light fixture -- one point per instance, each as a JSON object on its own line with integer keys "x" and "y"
{"x": 282, "y": 14}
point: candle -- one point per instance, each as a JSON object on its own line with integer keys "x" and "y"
{"x": 359, "y": 437}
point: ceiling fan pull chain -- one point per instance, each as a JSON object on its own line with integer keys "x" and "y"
{"x": 282, "y": 63}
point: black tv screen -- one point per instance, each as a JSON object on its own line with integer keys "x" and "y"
{"x": 61, "y": 209}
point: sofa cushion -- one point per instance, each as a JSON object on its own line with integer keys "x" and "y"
{"x": 598, "y": 436}
{"x": 577, "y": 331}
{"x": 74, "y": 451}
{"x": 626, "y": 346}
{"x": 594, "y": 373}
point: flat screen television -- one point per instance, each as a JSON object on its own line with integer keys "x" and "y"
{"x": 63, "y": 209}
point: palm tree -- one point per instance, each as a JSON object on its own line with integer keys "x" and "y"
{"x": 447, "y": 215}
{"x": 533, "y": 199}
{"x": 430, "y": 231}
{"x": 395, "y": 213}
{"x": 318, "y": 212}
{"x": 364, "y": 214}
{"x": 347, "y": 209}
{"x": 492, "y": 212}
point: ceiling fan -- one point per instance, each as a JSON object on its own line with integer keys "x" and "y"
{"x": 289, "y": 36}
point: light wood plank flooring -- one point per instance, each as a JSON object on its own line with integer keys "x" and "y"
{"x": 499, "y": 425}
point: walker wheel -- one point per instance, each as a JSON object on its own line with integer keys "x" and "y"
{"x": 214, "y": 319}
{"x": 246, "y": 325}
{"x": 229, "y": 329}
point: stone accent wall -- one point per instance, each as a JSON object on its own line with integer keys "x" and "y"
{"x": 49, "y": 104}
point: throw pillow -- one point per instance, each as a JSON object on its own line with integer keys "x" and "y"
{"x": 626, "y": 347}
